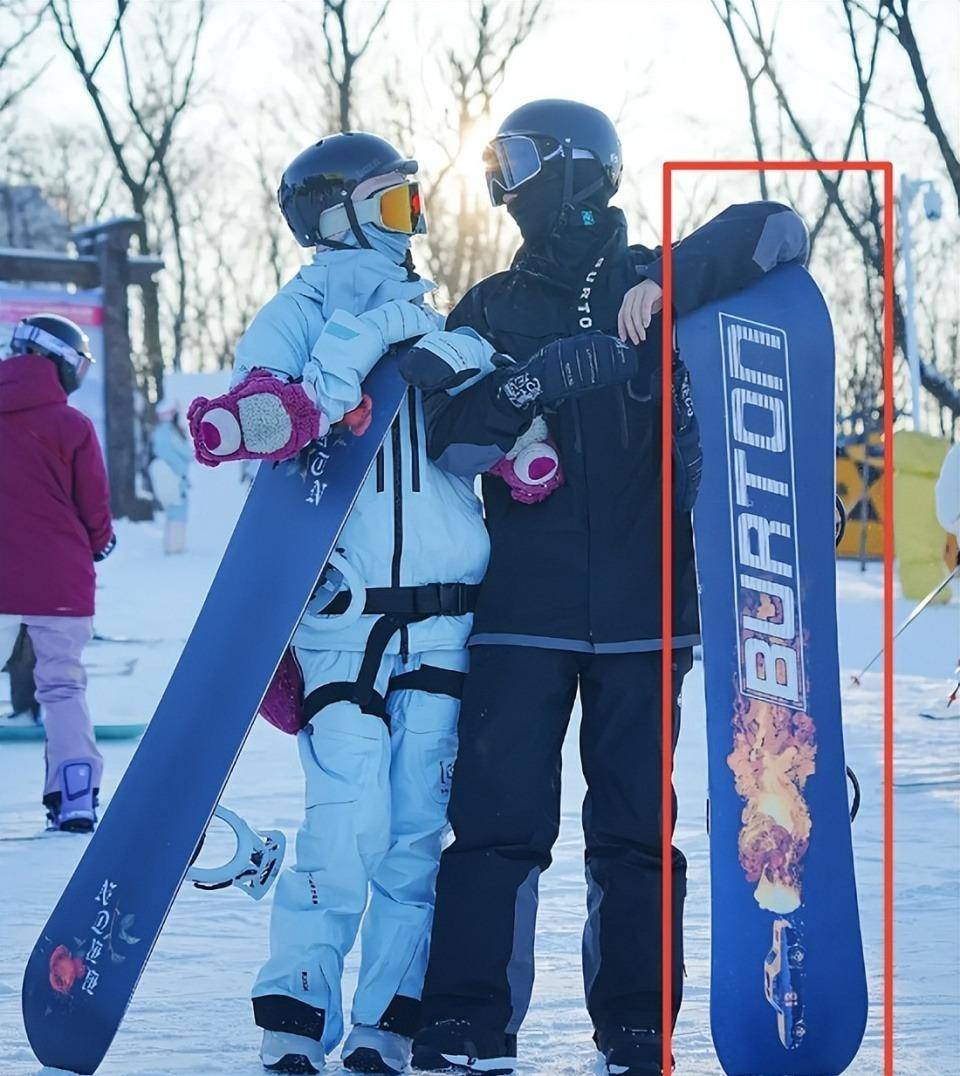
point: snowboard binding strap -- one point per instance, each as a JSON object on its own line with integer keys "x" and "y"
{"x": 255, "y": 863}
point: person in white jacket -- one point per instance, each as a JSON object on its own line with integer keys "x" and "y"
{"x": 382, "y": 689}
{"x": 948, "y": 491}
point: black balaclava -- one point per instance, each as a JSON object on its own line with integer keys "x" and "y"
{"x": 554, "y": 238}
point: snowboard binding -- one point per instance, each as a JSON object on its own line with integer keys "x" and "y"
{"x": 255, "y": 863}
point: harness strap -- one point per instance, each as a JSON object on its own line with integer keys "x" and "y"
{"x": 433, "y": 599}
{"x": 432, "y": 680}
{"x": 344, "y": 691}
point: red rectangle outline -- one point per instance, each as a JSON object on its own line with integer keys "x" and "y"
{"x": 666, "y": 574}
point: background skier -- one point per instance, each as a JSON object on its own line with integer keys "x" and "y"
{"x": 170, "y": 473}
{"x": 571, "y": 600}
{"x": 382, "y": 688}
{"x": 55, "y": 507}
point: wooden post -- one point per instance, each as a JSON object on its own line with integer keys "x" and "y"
{"x": 109, "y": 243}
{"x": 110, "y": 248}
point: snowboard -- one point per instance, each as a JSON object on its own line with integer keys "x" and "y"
{"x": 35, "y": 733}
{"x": 788, "y": 988}
{"x": 89, "y": 957}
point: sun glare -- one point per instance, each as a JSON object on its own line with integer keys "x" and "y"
{"x": 469, "y": 162}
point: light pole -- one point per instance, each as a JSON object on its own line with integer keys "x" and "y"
{"x": 933, "y": 209}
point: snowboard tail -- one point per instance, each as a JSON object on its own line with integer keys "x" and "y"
{"x": 788, "y": 987}
{"x": 35, "y": 733}
{"x": 86, "y": 964}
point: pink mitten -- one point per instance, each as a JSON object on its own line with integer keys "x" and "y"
{"x": 532, "y": 467}
{"x": 262, "y": 418}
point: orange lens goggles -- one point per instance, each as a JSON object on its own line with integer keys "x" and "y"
{"x": 401, "y": 209}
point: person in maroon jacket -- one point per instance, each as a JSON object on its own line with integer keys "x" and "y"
{"x": 55, "y": 512}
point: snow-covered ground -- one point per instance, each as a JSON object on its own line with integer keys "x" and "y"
{"x": 191, "y": 1013}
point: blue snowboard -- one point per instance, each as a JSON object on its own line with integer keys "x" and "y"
{"x": 788, "y": 987}
{"x": 86, "y": 964}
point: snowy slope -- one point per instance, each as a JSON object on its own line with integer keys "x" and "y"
{"x": 191, "y": 1015}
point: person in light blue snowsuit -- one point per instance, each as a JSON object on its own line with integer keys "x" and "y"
{"x": 172, "y": 455}
{"x": 382, "y": 688}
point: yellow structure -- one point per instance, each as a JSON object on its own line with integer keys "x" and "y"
{"x": 860, "y": 485}
{"x": 921, "y": 542}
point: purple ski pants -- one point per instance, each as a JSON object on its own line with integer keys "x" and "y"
{"x": 58, "y": 642}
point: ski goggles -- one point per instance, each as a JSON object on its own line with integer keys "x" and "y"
{"x": 32, "y": 336}
{"x": 512, "y": 160}
{"x": 398, "y": 208}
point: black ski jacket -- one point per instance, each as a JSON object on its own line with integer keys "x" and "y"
{"x": 581, "y": 570}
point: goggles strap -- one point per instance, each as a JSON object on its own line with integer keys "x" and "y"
{"x": 349, "y": 206}
{"x": 32, "y": 334}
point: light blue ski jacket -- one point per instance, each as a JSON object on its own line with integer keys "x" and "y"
{"x": 413, "y": 523}
{"x": 171, "y": 446}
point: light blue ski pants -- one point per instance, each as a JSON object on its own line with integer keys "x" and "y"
{"x": 376, "y": 813}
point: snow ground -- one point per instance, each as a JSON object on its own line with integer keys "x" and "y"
{"x": 191, "y": 1013}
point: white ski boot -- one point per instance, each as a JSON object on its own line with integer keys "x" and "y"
{"x": 371, "y": 1049}
{"x": 282, "y": 1052}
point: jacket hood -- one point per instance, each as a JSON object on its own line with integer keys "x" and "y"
{"x": 29, "y": 381}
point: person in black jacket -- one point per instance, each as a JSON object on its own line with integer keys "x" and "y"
{"x": 569, "y": 338}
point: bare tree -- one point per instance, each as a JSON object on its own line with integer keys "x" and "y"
{"x": 896, "y": 18}
{"x": 467, "y": 241}
{"x": 21, "y": 19}
{"x": 140, "y": 136}
{"x": 341, "y": 56}
{"x": 860, "y": 212}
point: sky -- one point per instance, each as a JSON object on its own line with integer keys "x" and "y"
{"x": 663, "y": 67}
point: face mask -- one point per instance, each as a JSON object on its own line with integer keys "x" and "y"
{"x": 536, "y": 209}
{"x": 391, "y": 245}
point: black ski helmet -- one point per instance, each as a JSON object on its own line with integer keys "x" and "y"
{"x": 557, "y": 127}
{"x": 325, "y": 175}
{"x": 59, "y": 339}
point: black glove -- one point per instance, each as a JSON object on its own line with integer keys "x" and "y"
{"x": 570, "y": 367}
{"x": 687, "y": 450}
{"x": 107, "y": 549}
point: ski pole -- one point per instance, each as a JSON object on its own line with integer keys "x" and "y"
{"x": 918, "y": 609}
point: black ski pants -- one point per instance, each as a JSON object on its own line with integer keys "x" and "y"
{"x": 505, "y": 812}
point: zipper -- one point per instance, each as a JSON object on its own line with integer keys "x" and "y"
{"x": 624, "y": 427}
{"x": 381, "y": 480}
{"x": 577, "y": 431}
{"x": 397, "y": 460}
{"x": 414, "y": 439}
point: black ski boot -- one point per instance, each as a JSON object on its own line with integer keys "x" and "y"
{"x": 630, "y": 1051}
{"x": 459, "y": 1046}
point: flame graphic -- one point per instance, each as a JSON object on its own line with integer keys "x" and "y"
{"x": 774, "y": 752}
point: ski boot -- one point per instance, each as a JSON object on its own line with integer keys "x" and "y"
{"x": 282, "y": 1052}
{"x": 372, "y": 1049}
{"x": 628, "y": 1051}
{"x": 458, "y": 1046}
{"x": 292, "y": 1034}
{"x": 72, "y": 806}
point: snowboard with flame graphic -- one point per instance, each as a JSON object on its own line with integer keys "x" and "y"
{"x": 788, "y": 985}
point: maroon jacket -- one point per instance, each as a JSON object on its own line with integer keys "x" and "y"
{"x": 54, "y": 496}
